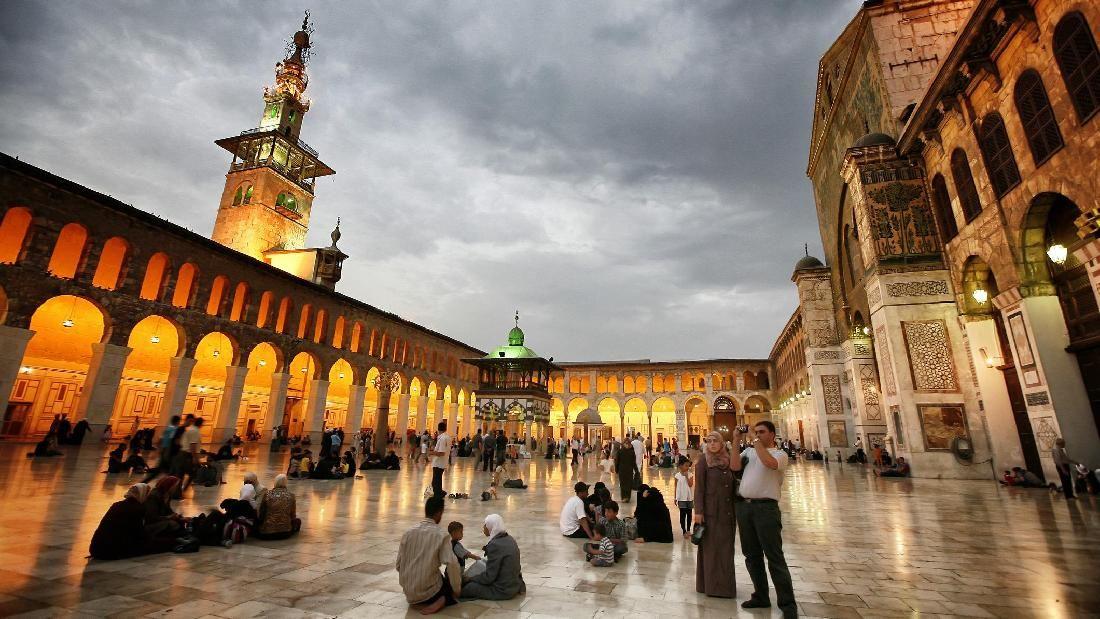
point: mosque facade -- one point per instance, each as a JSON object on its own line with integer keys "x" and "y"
{"x": 954, "y": 162}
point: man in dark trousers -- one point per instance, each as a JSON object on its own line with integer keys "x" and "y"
{"x": 760, "y": 521}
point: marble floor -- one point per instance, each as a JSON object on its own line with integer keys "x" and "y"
{"x": 858, "y": 546}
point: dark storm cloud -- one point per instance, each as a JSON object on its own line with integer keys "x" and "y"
{"x": 629, "y": 175}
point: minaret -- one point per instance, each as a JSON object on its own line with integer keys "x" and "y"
{"x": 268, "y": 192}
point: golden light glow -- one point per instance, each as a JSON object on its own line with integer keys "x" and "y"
{"x": 980, "y": 295}
{"x": 1058, "y": 253}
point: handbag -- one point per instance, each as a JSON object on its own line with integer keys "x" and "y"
{"x": 697, "y": 534}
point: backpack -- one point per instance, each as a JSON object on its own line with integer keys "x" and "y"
{"x": 208, "y": 528}
{"x": 207, "y": 475}
{"x": 236, "y": 530}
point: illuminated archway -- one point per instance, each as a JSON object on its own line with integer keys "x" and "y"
{"x": 609, "y": 411}
{"x": 698, "y": 417}
{"x": 13, "y": 234}
{"x": 153, "y": 342}
{"x": 68, "y": 251}
{"x": 664, "y": 419}
{"x": 340, "y": 378}
{"x": 256, "y": 413}
{"x": 576, "y": 405}
{"x": 303, "y": 370}
{"x": 111, "y": 260}
{"x": 636, "y": 416}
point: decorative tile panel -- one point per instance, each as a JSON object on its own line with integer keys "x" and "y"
{"x": 830, "y": 390}
{"x": 874, "y": 296}
{"x": 869, "y": 386}
{"x": 930, "y": 358}
{"x": 825, "y": 355}
{"x": 882, "y": 345}
{"x": 1038, "y": 398}
{"x": 917, "y": 289}
{"x": 1045, "y": 434}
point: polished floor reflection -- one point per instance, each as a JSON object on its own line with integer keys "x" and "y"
{"x": 858, "y": 546}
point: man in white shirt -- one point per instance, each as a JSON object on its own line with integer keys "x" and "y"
{"x": 760, "y": 521}
{"x": 574, "y": 520}
{"x": 576, "y": 447}
{"x": 639, "y": 454}
{"x": 440, "y": 454}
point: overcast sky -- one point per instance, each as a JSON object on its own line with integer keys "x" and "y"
{"x": 629, "y": 175}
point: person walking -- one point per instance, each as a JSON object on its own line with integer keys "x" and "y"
{"x": 1065, "y": 466}
{"x": 639, "y": 453}
{"x": 440, "y": 455}
{"x": 487, "y": 443}
{"x": 760, "y": 520}
{"x": 626, "y": 467}
{"x": 716, "y": 488}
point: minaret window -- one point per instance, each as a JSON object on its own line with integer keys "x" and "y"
{"x": 237, "y": 197}
{"x": 248, "y": 195}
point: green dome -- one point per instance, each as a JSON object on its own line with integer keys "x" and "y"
{"x": 515, "y": 336}
{"x": 512, "y": 352}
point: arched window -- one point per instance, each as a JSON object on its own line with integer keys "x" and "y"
{"x": 601, "y": 384}
{"x": 185, "y": 285}
{"x": 1000, "y": 163}
{"x": 964, "y": 185}
{"x": 283, "y": 316}
{"x": 338, "y": 333}
{"x": 111, "y": 259}
{"x": 357, "y": 337}
{"x": 248, "y": 195}
{"x": 320, "y": 326}
{"x": 238, "y": 197}
{"x": 68, "y": 251}
{"x": 1037, "y": 117}
{"x": 1079, "y": 62}
{"x": 658, "y": 384}
{"x": 303, "y": 322}
{"x": 217, "y": 295}
{"x": 640, "y": 384}
{"x": 13, "y": 234}
{"x": 240, "y": 302}
{"x": 152, "y": 286}
{"x": 287, "y": 201}
{"x": 941, "y": 201}
{"x": 265, "y": 309}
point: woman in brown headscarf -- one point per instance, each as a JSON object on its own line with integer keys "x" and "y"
{"x": 715, "y": 492}
{"x": 121, "y": 534}
{"x": 160, "y": 519}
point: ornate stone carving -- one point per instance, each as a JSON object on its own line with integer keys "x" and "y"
{"x": 1045, "y": 434}
{"x": 901, "y": 222}
{"x": 930, "y": 360}
{"x": 830, "y": 391}
{"x": 885, "y": 361}
{"x": 869, "y": 386}
{"x": 826, "y": 355}
{"x": 874, "y": 296}
{"x": 926, "y": 288}
{"x": 1037, "y": 398}
{"x": 861, "y": 349}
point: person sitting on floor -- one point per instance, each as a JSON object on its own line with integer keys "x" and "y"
{"x": 502, "y": 578}
{"x": 121, "y": 533}
{"x": 115, "y": 464}
{"x": 423, "y": 549}
{"x": 327, "y": 467}
{"x": 615, "y": 527}
{"x": 207, "y": 474}
{"x": 371, "y": 462}
{"x": 278, "y": 518}
{"x": 391, "y": 462}
{"x": 602, "y": 552}
{"x": 46, "y": 448}
{"x": 301, "y": 464}
{"x": 574, "y": 519}
{"x": 901, "y": 469}
{"x": 1027, "y": 479}
{"x": 654, "y": 520}
{"x": 455, "y": 530}
{"x": 225, "y": 452}
{"x": 349, "y": 463}
{"x": 251, "y": 490}
{"x": 160, "y": 519}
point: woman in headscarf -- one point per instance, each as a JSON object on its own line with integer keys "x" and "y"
{"x": 251, "y": 490}
{"x": 654, "y": 520}
{"x": 121, "y": 533}
{"x": 503, "y": 577}
{"x": 715, "y": 492}
{"x": 626, "y": 467}
{"x": 278, "y": 518}
{"x": 160, "y": 518}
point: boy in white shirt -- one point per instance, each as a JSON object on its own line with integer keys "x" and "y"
{"x": 685, "y": 493}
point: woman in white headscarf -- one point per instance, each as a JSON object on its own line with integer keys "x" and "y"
{"x": 503, "y": 576}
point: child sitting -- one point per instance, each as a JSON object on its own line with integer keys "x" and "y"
{"x": 455, "y": 529}
{"x": 498, "y": 477}
{"x": 616, "y": 529}
{"x": 602, "y": 553}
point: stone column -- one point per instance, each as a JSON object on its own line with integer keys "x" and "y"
{"x": 97, "y": 399}
{"x": 402, "y": 417}
{"x": 450, "y": 413}
{"x": 357, "y": 413}
{"x": 527, "y": 431}
{"x": 382, "y": 422}
{"x": 276, "y": 405}
{"x": 467, "y": 418}
{"x": 230, "y": 404}
{"x": 421, "y": 414}
{"x": 981, "y": 333}
{"x": 13, "y": 344}
{"x": 175, "y": 388}
{"x": 1088, "y": 254}
{"x": 315, "y": 410}
{"x": 867, "y": 414}
{"x": 1054, "y": 390}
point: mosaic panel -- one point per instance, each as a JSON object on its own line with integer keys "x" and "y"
{"x": 869, "y": 386}
{"x": 917, "y": 289}
{"x": 941, "y": 424}
{"x": 930, "y": 355}
{"x": 900, "y": 219}
{"x": 883, "y": 348}
{"x": 1038, "y": 398}
{"x": 830, "y": 390}
{"x": 838, "y": 433}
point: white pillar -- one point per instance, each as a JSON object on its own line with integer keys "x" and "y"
{"x": 13, "y": 344}
{"x": 315, "y": 410}
{"x": 1004, "y": 438}
{"x": 230, "y": 405}
{"x": 402, "y": 417}
{"x": 276, "y": 405}
{"x": 421, "y": 414}
{"x": 356, "y": 417}
{"x": 175, "y": 388}
{"x": 97, "y": 399}
{"x": 467, "y": 419}
{"x": 450, "y": 413}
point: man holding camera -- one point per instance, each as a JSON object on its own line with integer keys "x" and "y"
{"x": 760, "y": 521}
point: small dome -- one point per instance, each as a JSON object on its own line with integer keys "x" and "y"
{"x": 807, "y": 262}
{"x": 515, "y": 336}
{"x": 874, "y": 139}
{"x": 588, "y": 417}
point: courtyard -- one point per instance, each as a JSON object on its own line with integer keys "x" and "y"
{"x": 858, "y": 546}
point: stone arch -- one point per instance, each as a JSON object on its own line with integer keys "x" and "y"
{"x": 272, "y": 357}
{"x": 263, "y": 313}
{"x": 239, "y": 310}
{"x": 218, "y": 293}
{"x": 355, "y": 342}
{"x": 15, "y": 234}
{"x": 217, "y": 348}
{"x": 636, "y": 416}
{"x": 156, "y": 275}
{"x": 663, "y": 417}
{"x": 303, "y": 321}
{"x": 611, "y": 414}
{"x": 281, "y": 319}
{"x": 1034, "y": 238}
{"x": 112, "y": 259}
{"x": 320, "y": 326}
{"x": 186, "y": 278}
{"x": 68, "y": 251}
{"x": 698, "y": 416}
{"x": 64, "y": 328}
{"x": 979, "y": 287}
{"x": 338, "y": 331}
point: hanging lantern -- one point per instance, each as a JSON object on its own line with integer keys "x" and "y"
{"x": 980, "y": 296}
{"x": 1058, "y": 253}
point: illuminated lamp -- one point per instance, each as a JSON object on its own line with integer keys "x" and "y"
{"x": 1057, "y": 253}
{"x": 980, "y": 295}
{"x": 217, "y": 353}
{"x": 262, "y": 363}
{"x": 25, "y": 370}
{"x": 155, "y": 339}
{"x": 67, "y": 323}
{"x": 341, "y": 375}
{"x": 866, "y": 330}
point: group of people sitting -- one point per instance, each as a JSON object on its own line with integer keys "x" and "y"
{"x": 144, "y": 521}
{"x": 328, "y": 466}
{"x": 497, "y": 575}
{"x": 595, "y": 517}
